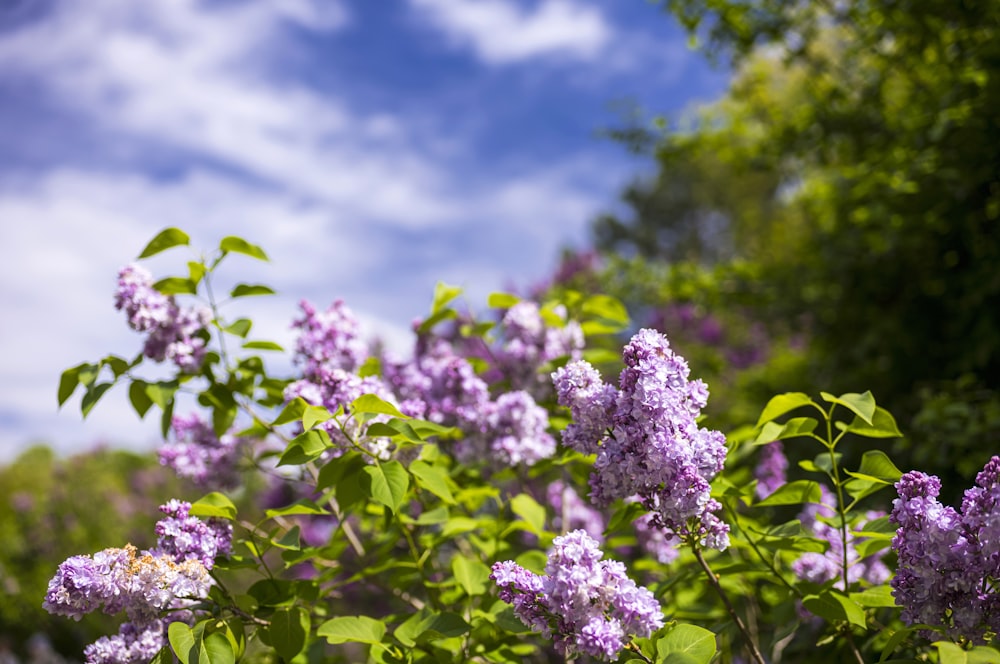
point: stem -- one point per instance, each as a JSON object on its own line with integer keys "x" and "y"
{"x": 760, "y": 554}
{"x": 714, "y": 581}
{"x": 635, "y": 649}
{"x": 835, "y": 471}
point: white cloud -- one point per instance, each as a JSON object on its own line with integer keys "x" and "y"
{"x": 503, "y": 32}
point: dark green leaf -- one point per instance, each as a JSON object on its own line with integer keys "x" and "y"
{"x": 165, "y": 239}
{"x": 139, "y": 398}
{"x": 162, "y": 393}
{"x": 240, "y": 246}
{"x": 288, "y": 631}
{"x": 68, "y": 382}
{"x": 92, "y": 396}
{"x": 834, "y": 606}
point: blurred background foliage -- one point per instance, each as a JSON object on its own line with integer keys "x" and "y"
{"x": 831, "y": 222}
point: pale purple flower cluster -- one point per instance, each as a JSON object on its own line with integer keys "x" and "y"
{"x": 771, "y": 470}
{"x": 949, "y": 561}
{"x": 572, "y": 513}
{"x": 585, "y": 604}
{"x": 511, "y": 430}
{"x": 329, "y": 339}
{"x": 829, "y": 565}
{"x": 527, "y": 343}
{"x": 660, "y": 544}
{"x": 143, "y": 585}
{"x": 185, "y": 537}
{"x": 196, "y": 453}
{"x": 175, "y": 333}
{"x": 646, "y": 438}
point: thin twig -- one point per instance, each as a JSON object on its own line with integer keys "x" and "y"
{"x": 714, "y": 581}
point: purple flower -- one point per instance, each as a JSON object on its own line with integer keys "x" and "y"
{"x": 771, "y": 469}
{"x": 511, "y": 431}
{"x": 132, "y": 645}
{"x": 184, "y": 537}
{"x": 653, "y": 447}
{"x": 527, "y": 343}
{"x": 175, "y": 333}
{"x": 572, "y": 513}
{"x": 947, "y": 559}
{"x": 329, "y": 339}
{"x": 585, "y": 604}
{"x": 197, "y": 454}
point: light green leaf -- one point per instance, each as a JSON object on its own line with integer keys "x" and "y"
{"x": 883, "y": 425}
{"x": 176, "y": 286}
{"x": 607, "y": 308}
{"x": 427, "y": 626}
{"x": 165, "y": 239}
{"x": 876, "y": 596}
{"x": 781, "y": 404}
{"x": 263, "y": 345}
{"x": 240, "y": 246}
{"x": 443, "y": 294}
{"x": 371, "y": 404}
{"x": 215, "y": 648}
{"x": 356, "y": 629}
{"x": 950, "y": 653}
{"x": 528, "y": 509}
{"x": 303, "y": 506}
{"x": 305, "y": 447}
{"x": 288, "y": 631}
{"x": 386, "y": 483}
{"x": 686, "y": 643}
{"x": 502, "y": 300}
{"x": 214, "y": 504}
{"x": 862, "y": 405}
{"x": 793, "y": 493}
{"x": 182, "y": 640}
{"x": 292, "y": 412}
{"x": 162, "y": 393}
{"x": 244, "y": 290}
{"x": 433, "y": 479}
{"x": 877, "y": 465}
{"x": 314, "y": 415}
{"x": 240, "y": 327}
{"x": 471, "y": 575}
{"x": 797, "y": 426}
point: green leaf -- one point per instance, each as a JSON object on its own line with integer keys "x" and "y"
{"x": 876, "y": 596}
{"x": 386, "y": 483}
{"x": 176, "y": 286}
{"x": 355, "y": 629}
{"x": 305, "y": 447}
{"x": 793, "y": 493}
{"x": 288, "y": 631}
{"x": 263, "y": 345}
{"x": 605, "y": 307}
{"x": 196, "y": 271}
{"x": 215, "y": 648}
{"x": 292, "y": 412}
{"x": 182, "y": 640}
{"x": 240, "y": 327}
{"x": 950, "y": 653}
{"x": 427, "y": 626}
{"x": 781, "y": 404}
{"x": 875, "y": 464}
{"x": 314, "y": 415}
{"x": 834, "y": 606}
{"x": 797, "y": 426}
{"x": 117, "y": 365}
{"x": 471, "y": 575}
{"x": 371, "y": 404}
{"x": 883, "y": 425}
{"x": 162, "y": 393}
{"x": 528, "y": 509}
{"x": 139, "y": 398}
{"x": 244, "y": 290}
{"x": 303, "y": 506}
{"x": 69, "y": 380}
{"x": 214, "y": 504}
{"x": 862, "y": 405}
{"x": 163, "y": 656}
{"x": 92, "y": 396}
{"x": 502, "y": 300}
{"x": 433, "y": 479}
{"x": 686, "y": 643}
{"x": 165, "y": 239}
{"x": 240, "y": 246}
{"x": 443, "y": 294}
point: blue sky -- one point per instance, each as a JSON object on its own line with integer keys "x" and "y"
{"x": 372, "y": 148}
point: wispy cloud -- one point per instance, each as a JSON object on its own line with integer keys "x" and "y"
{"x": 503, "y": 32}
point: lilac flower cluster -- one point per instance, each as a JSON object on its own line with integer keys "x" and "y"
{"x": 527, "y": 342}
{"x": 197, "y": 454}
{"x": 771, "y": 470}
{"x": 572, "y": 513}
{"x": 143, "y": 585}
{"x": 511, "y": 430}
{"x": 585, "y": 604}
{"x": 329, "y": 339}
{"x": 646, "y": 438}
{"x": 949, "y": 560}
{"x": 829, "y": 565}
{"x": 175, "y": 332}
